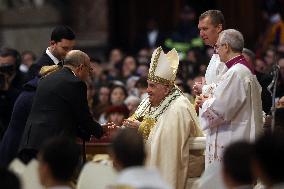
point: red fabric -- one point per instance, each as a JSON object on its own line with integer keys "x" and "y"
{"x": 240, "y": 60}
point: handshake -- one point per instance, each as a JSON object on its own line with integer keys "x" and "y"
{"x": 130, "y": 123}
{"x": 110, "y": 128}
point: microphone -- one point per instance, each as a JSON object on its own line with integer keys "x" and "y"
{"x": 275, "y": 70}
{"x": 272, "y": 89}
{"x": 269, "y": 87}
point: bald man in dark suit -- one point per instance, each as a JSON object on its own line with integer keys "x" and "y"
{"x": 60, "y": 106}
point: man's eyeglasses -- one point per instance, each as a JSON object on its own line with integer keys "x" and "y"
{"x": 89, "y": 68}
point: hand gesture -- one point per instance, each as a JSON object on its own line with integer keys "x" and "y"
{"x": 131, "y": 123}
{"x": 200, "y": 100}
{"x": 108, "y": 126}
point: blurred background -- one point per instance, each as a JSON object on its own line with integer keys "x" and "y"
{"x": 101, "y": 25}
{"x": 120, "y": 35}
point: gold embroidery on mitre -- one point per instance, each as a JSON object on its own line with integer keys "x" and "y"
{"x": 152, "y": 76}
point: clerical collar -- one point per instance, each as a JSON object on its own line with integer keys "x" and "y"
{"x": 53, "y": 58}
{"x": 239, "y": 59}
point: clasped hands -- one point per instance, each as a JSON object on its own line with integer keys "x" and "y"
{"x": 200, "y": 100}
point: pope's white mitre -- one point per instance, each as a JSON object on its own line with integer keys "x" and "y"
{"x": 163, "y": 67}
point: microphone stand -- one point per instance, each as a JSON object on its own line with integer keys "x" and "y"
{"x": 273, "y": 86}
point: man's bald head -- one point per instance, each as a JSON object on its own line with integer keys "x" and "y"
{"x": 79, "y": 62}
{"x": 75, "y": 58}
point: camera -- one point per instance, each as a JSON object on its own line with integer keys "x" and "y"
{"x": 7, "y": 68}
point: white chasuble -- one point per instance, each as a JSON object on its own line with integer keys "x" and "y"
{"x": 166, "y": 130}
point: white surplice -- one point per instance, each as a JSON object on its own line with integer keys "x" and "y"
{"x": 234, "y": 112}
{"x": 213, "y": 74}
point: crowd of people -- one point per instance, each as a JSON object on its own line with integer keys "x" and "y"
{"x": 223, "y": 91}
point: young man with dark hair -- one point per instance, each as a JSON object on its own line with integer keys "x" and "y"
{"x": 128, "y": 154}
{"x": 237, "y": 170}
{"x": 58, "y": 160}
{"x": 125, "y": 153}
{"x": 211, "y": 24}
{"x": 62, "y": 32}
{"x": 61, "y": 42}
{"x": 216, "y": 17}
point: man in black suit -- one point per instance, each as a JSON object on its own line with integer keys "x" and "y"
{"x": 61, "y": 42}
{"x": 60, "y": 106}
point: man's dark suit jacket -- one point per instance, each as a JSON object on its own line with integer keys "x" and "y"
{"x": 60, "y": 107}
{"x": 44, "y": 60}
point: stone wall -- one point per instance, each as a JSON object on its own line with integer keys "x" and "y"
{"x": 28, "y": 28}
{"x": 90, "y": 20}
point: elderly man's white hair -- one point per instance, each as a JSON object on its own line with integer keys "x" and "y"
{"x": 233, "y": 38}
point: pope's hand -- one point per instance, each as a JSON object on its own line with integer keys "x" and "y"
{"x": 131, "y": 124}
{"x": 199, "y": 100}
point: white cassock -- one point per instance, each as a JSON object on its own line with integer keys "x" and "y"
{"x": 167, "y": 130}
{"x": 213, "y": 74}
{"x": 234, "y": 112}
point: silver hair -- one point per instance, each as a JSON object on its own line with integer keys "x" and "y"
{"x": 249, "y": 53}
{"x": 233, "y": 38}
